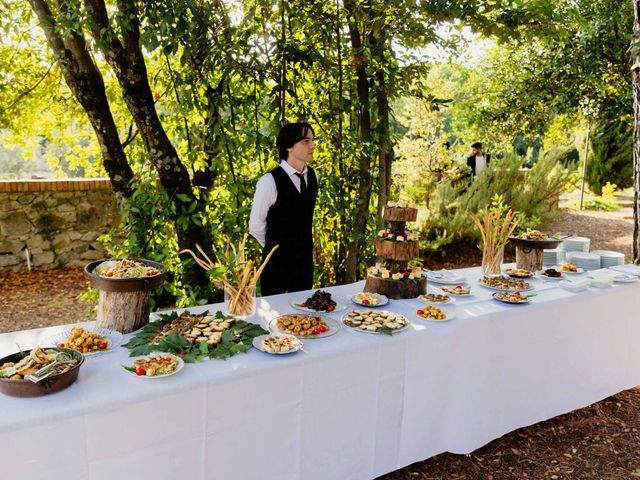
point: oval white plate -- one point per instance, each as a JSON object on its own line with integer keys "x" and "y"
{"x": 506, "y": 289}
{"x": 450, "y": 316}
{"x": 113, "y": 338}
{"x": 346, "y": 317}
{"x": 543, "y": 277}
{"x": 512, "y": 275}
{"x": 179, "y": 367}
{"x": 470, "y": 294}
{"x": 257, "y": 342}
{"x": 382, "y": 300}
{"x": 296, "y": 304}
{"x": 435, "y": 304}
{"x": 436, "y": 277}
{"x": 333, "y": 325}
{"x": 507, "y": 301}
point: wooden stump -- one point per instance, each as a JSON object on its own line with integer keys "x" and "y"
{"x": 531, "y": 259}
{"x": 400, "y": 214}
{"x": 123, "y": 311}
{"x": 396, "y": 289}
{"x": 407, "y": 250}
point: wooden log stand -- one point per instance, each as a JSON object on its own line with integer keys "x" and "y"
{"x": 123, "y": 303}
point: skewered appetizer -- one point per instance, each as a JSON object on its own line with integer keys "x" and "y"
{"x": 375, "y": 321}
{"x": 302, "y": 325}
{"x": 436, "y": 298}
{"x": 432, "y": 313}
{"x": 155, "y": 365}
{"x": 505, "y": 283}
{"x": 320, "y": 301}
{"x": 515, "y": 297}
{"x": 457, "y": 290}
{"x": 84, "y": 341}
{"x": 519, "y": 272}
{"x": 195, "y": 328}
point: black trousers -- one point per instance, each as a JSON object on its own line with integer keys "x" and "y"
{"x": 286, "y": 273}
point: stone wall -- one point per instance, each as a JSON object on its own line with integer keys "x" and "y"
{"x": 57, "y": 221}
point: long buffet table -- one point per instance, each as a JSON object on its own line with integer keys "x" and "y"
{"x": 351, "y": 406}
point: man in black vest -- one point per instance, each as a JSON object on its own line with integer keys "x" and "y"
{"x": 282, "y": 213}
{"x": 478, "y": 159}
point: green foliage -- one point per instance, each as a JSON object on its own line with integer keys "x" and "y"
{"x": 532, "y": 195}
{"x": 611, "y": 158}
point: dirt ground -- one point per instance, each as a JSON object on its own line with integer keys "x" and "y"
{"x": 598, "y": 442}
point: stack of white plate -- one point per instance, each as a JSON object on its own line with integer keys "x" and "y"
{"x": 575, "y": 244}
{"x": 588, "y": 261}
{"x": 553, "y": 257}
{"x": 609, "y": 258}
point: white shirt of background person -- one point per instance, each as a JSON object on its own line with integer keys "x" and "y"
{"x": 480, "y": 164}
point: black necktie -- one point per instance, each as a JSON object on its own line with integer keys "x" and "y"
{"x": 303, "y": 184}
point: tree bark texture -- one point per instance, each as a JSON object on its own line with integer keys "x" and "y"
{"x": 123, "y": 312}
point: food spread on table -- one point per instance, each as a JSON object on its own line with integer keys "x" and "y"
{"x": 533, "y": 235}
{"x": 38, "y": 358}
{"x": 432, "y": 313}
{"x": 568, "y": 267}
{"x": 85, "y": 341}
{"x": 518, "y": 272}
{"x": 511, "y": 297}
{"x": 320, "y": 301}
{"x": 154, "y": 365}
{"x": 195, "y": 337}
{"x": 505, "y": 283}
{"x": 552, "y": 273}
{"x": 125, "y": 268}
{"x": 371, "y": 299}
{"x": 375, "y": 321}
{"x": 457, "y": 290}
{"x": 302, "y": 325}
{"x": 282, "y": 344}
{"x": 435, "y": 298}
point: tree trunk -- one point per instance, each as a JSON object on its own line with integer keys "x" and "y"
{"x": 364, "y": 158}
{"x": 635, "y": 49}
{"x": 85, "y": 82}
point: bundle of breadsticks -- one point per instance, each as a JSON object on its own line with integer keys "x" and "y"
{"x": 495, "y": 227}
{"x": 236, "y": 272}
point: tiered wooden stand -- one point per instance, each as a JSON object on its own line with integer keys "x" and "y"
{"x": 397, "y": 255}
{"x": 123, "y": 304}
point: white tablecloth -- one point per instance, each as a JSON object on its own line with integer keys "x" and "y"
{"x": 352, "y": 406}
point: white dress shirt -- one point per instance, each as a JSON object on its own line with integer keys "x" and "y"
{"x": 265, "y": 196}
{"x": 480, "y": 164}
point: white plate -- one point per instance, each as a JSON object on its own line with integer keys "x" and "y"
{"x": 551, "y": 279}
{"x": 382, "y": 300}
{"x": 520, "y": 277}
{"x": 296, "y": 304}
{"x": 462, "y": 295}
{"x": 257, "y": 342}
{"x": 113, "y": 339}
{"x": 450, "y": 316}
{"x": 438, "y": 277}
{"x": 506, "y": 289}
{"x": 624, "y": 278}
{"x": 564, "y": 272}
{"x": 408, "y": 325}
{"x": 507, "y": 301}
{"x": 333, "y": 325}
{"x": 179, "y": 367}
{"x": 435, "y": 304}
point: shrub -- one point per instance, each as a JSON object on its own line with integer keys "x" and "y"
{"x": 611, "y": 158}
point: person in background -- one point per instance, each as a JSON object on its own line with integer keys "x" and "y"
{"x": 478, "y": 159}
{"x": 282, "y": 213}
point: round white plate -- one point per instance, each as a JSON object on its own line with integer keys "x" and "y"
{"x": 179, "y": 367}
{"x": 435, "y": 304}
{"x": 450, "y": 316}
{"x": 257, "y": 342}
{"x": 382, "y": 300}
{"x": 462, "y": 295}
{"x": 508, "y": 302}
{"x": 296, "y": 304}
{"x": 624, "y": 278}
{"x": 520, "y": 277}
{"x": 564, "y": 272}
{"x": 113, "y": 339}
{"x": 346, "y": 317}
{"x": 333, "y": 325}
{"x": 437, "y": 277}
{"x": 506, "y": 289}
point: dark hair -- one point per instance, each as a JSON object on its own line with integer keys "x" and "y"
{"x": 476, "y": 145}
{"x": 289, "y": 135}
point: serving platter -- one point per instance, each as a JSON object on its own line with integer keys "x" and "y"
{"x": 382, "y": 300}
{"x": 297, "y": 304}
{"x": 112, "y": 338}
{"x": 297, "y": 344}
{"x": 333, "y": 325}
{"x": 179, "y": 367}
{"x": 449, "y": 316}
{"x": 508, "y": 301}
{"x": 449, "y": 301}
{"x": 503, "y": 289}
{"x": 347, "y": 319}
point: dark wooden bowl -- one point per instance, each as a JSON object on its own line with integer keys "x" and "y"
{"x": 109, "y": 284}
{"x": 550, "y": 243}
{"x": 25, "y": 388}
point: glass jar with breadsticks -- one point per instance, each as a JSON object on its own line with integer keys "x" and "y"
{"x": 237, "y": 273}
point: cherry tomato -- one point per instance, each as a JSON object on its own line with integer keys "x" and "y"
{"x": 317, "y": 331}
{"x": 102, "y": 345}
{"x": 406, "y": 274}
{"x": 365, "y": 302}
{"x": 140, "y": 371}
{"x": 420, "y": 312}
{"x": 303, "y": 305}
{"x": 182, "y": 353}
{"x": 323, "y": 328}
{"x": 330, "y": 308}
{"x": 61, "y": 345}
{"x": 517, "y": 293}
